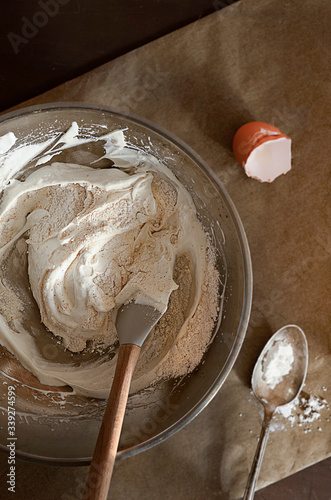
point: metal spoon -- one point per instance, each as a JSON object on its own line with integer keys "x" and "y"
{"x": 133, "y": 323}
{"x": 273, "y": 389}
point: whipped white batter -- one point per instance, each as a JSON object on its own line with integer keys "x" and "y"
{"x": 95, "y": 239}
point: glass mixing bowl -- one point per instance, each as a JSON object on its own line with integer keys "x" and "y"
{"x": 62, "y": 428}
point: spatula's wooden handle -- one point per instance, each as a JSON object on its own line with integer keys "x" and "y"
{"x": 102, "y": 465}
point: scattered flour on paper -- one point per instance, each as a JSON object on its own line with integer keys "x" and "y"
{"x": 303, "y": 411}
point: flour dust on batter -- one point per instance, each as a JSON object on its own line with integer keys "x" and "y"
{"x": 84, "y": 241}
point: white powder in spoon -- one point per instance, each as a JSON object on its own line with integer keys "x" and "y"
{"x": 279, "y": 364}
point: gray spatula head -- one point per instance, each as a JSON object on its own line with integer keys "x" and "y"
{"x": 135, "y": 321}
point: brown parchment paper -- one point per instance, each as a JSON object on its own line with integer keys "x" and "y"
{"x": 266, "y": 60}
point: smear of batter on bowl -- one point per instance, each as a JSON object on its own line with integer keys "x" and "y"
{"x": 82, "y": 241}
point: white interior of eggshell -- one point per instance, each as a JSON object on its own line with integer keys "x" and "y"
{"x": 269, "y": 160}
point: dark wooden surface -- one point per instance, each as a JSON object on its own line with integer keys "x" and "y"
{"x": 43, "y": 43}
{"x": 46, "y": 42}
{"x": 313, "y": 483}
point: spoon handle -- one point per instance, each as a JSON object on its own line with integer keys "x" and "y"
{"x": 256, "y": 465}
{"x": 102, "y": 465}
